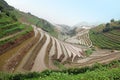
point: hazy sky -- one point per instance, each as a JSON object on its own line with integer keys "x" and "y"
{"x": 70, "y": 12}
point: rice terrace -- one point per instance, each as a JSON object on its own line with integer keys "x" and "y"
{"x": 39, "y": 40}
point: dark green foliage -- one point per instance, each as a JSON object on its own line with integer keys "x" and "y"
{"x": 14, "y": 17}
{"x": 24, "y": 76}
{"x": 112, "y": 20}
{"x": 1, "y": 8}
{"x": 8, "y": 13}
{"x": 4, "y": 6}
{"x": 111, "y": 26}
{"x": 107, "y": 28}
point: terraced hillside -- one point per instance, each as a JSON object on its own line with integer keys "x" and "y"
{"x": 29, "y": 48}
{"x": 38, "y": 54}
{"x": 82, "y": 38}
{"x": 106, "y": 36}
{"x": 12, "y": 34}
{"x": 11, "y": 31}
{"x": 29, "y": 44}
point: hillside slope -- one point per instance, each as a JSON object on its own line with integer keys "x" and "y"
{"x": 106, "y": 36}
{"x": 31, "y": 19}
{"x": 27, "y": 47}
{"x": 4, "y": 6}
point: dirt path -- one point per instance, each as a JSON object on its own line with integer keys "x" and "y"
{"x": 39, "y": 64}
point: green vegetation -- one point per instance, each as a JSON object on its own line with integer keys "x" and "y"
{"x": 29, "y": 18}
{"x": 58, "y": 64}
{"x": 98, "y": 71}
{"x": 17, "y": 36}
{"x": 9, "y": 26}
{"x": 89, "y": 52}
{"x": 4, "y": 6}
{"x": 106, "y": 36}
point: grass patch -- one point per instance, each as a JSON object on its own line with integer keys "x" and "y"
{"x": 17, "y": 36}
{"x": 58, "y": 64}
{"x": 88, "y": 52}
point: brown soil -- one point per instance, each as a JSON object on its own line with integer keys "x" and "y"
{"x": 62, "y": 56}
{"x": 15, "y": 43}
{"x": 39, "y": 63}
{"x": 56, "y": 52}
{"x": 4, "y": 58}
{"x": 47, "y": 53}
{"x": 29, "y": 64}
{"x": 96, "y": 57}
{"x": 14, "y": 61}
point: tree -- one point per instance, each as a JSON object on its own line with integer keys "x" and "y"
{"x": 108, "y": 25}
{"x": 112, "y": 20}
{"x": 8, "y": 13}
{"x": 29, "y": 13}
{"x": 1, "y": 8}
{"x": 107, "y": 28}
{"x": 14, "y": 17}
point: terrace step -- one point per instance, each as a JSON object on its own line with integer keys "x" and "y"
{"x": 26, "y": 58}
{"x": 65, "y": 53}
{"x": 59, "y": 50}
{"x": 39, "y": 64}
